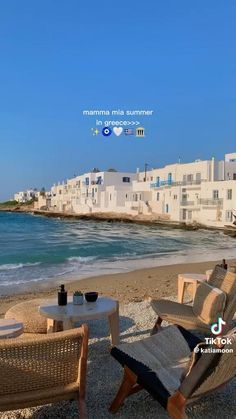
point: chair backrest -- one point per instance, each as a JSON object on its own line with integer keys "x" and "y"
{"x": 225, "y": 281}
{"x": 211, "y": 369}
{"x": 49, "y": 361}
{"x": 217, "y": 276}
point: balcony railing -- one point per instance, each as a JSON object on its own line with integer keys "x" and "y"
{"x": 212, "y": 202}
{"x": 180, "y": 183}
{"x": 187, "y": 203}
{"x": 161, "y": 183}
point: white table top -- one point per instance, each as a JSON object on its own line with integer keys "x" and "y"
{"x": 193, "y": 277}
{"x": 208, "y": 273}
{"x": 10, "y": 328}
{"x": 87, "y": 311}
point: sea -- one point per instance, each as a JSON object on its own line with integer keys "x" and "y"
{"x": 36, "y": 250}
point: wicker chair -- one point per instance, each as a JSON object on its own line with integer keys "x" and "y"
{"x": 168, "y": 367}
{"x": 183, "y": 315}
{"x": 44, "y": 370}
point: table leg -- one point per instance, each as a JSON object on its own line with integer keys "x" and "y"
{"x": 181, "y": 285}
{"x": 50, "y": 325}
{"x": 67, "y": 324}
{"x": 195, "y": 285}
{"x": 115, "y": 326}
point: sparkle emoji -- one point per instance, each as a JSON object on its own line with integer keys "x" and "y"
{"x": 95, "y": 131}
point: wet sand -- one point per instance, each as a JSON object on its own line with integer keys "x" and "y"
{"x": 134, "y": 286}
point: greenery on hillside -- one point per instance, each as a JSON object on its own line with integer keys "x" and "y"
{"x": 10, "y": 204}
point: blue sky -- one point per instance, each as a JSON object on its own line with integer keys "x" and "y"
{"x": 58, "y": 58}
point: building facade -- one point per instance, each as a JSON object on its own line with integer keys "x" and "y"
{"x": 26, "y": 196}
{"x": 201, "y": 192}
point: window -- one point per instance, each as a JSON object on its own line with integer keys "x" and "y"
{"x": 87, "y": 181}
{"x": 126, "y": 196}
{"x": 189, "y": 215}
{"x": 189, "y": 178}
{"x": 175, "y": 196}
{"x": 198, "y": 177}
{"x": 99, "y": 180}
{"x": 229, "y": 194}
{"x": 158, "y": 196}
{"x": 234, "y": 176}
{"x": 184, "y": 214}
{"x": 140, "y": 197}
{"x": 167, "y": 208}
{"x": 169, "y": 178}
{"x": 110, "y": 196}
{"x": 126, "y": 179}
{"x": 151, "y": 178}
{"x": 229, "y": 216}
{"x": 158, "y": 181}
{"x": 215, "y": 194}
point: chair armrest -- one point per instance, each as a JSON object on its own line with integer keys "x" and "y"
{"x": 200, "y": 371}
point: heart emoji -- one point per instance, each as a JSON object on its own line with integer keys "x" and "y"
{"x": 117, "y": 131}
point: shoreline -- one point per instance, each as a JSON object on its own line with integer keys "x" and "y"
{"x": 132, "y": 286}
{"x": 110, "y": 217}
{"x": 120, "y": 217}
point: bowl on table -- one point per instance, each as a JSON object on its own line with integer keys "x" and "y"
{"x": 91, "y": 297}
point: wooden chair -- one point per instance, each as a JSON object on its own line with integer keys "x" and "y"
{"x": 44, "y": 369}
{"x": 159, "y": 365}
{"x": 184, "y": 315}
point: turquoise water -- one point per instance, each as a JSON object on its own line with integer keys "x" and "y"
{"x": 35, "y": 249}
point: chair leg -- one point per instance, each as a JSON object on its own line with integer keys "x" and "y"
{"x": 82, "y": 409}
{"x": 129, "y": 381}
{"x": 157, "y": 326}
{"x": 176, "y": 406}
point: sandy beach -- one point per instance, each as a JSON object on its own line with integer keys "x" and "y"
{"x": 136, "y": 320}
{"x": 134, "y": 286}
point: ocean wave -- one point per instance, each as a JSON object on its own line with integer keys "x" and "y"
{"x": 81, "y": 259}
{"x": 11, "y": 266}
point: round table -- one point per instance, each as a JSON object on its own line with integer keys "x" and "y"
{"x": 10, "y": 328}
{"x": 193, "y": 279}
{"x": 71, "y": 314}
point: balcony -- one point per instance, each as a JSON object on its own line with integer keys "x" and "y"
{"x": 187, "y": 203}
{"x": 86, "y": 194}
{"x": 161, "y": 183}
{"x": 180, "y": 183}
{"x": 211, "y": 202}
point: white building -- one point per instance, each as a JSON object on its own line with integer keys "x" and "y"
{"x": 26, "y": 196}
{"x": 93, "y": 192}
{"x": 43, "y": 201}
{"x": 202, "y": 192}
{"x": 199, "y": 192}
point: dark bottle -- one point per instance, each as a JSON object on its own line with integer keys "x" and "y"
{"x": 224, "y": 265}
{"x": 62, "y": 296}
